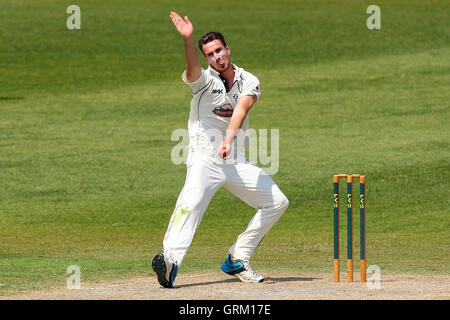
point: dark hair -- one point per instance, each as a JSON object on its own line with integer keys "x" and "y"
{"x": 211, "y": 36}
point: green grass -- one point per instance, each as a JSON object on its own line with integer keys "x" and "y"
{"x": 86, "y": 118}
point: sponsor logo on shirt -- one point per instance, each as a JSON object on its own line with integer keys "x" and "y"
{"x": 219, "y": 91}
{"x": 224, "y": 111}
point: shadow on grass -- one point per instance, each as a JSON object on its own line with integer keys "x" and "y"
{"x": 269, "y": 280}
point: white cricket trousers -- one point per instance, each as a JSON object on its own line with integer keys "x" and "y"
{"x": 205, "y": 175}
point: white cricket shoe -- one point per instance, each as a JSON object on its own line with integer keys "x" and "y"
{"x": 241, "y": 269}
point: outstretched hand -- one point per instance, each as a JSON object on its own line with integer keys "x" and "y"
{"x": 184, "y": 27}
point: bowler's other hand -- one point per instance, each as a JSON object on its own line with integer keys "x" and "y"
{"x": 184, "y": 27}
{"x": 224, "y": 150}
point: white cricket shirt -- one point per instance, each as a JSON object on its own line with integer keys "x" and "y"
{"x": 212, "y": 106}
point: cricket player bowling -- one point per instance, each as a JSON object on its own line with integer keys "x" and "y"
{"x": 222, "y": 96}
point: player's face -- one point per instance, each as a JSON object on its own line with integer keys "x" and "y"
{"x": 217, "y": 55}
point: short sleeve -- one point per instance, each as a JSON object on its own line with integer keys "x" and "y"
{"x": 251, "y": 86}
{"x": 198, "y": 84}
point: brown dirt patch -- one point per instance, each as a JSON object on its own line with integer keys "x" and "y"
{"x": 277, "y": 286}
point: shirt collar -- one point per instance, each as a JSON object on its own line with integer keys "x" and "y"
{"x": 237, "y": 74}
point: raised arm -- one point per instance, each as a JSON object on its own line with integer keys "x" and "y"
{"x": 185, "y": 28}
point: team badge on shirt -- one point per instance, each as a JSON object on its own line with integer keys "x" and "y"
{"x": 236, "y": 97}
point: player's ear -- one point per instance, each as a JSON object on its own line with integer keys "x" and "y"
{"x": 228, "y": 49}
